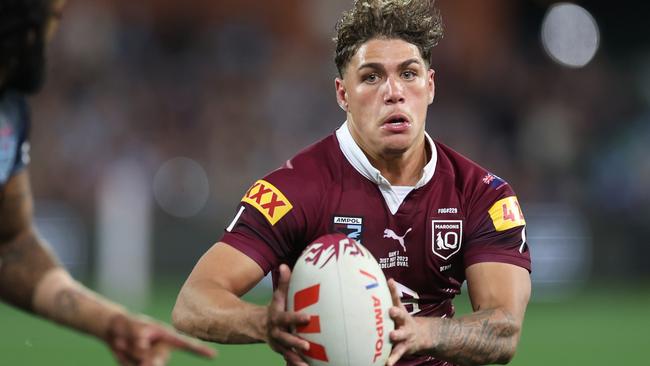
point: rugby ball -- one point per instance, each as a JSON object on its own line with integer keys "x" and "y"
{"x": 340, "y": 285}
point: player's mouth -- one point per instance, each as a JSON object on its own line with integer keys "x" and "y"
{"x": 396, "y": 123}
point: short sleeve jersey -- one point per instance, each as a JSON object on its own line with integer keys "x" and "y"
{"x": 14, "y": 127}
{"x": 460, "y": 215}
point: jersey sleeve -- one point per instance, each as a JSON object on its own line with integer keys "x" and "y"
{"x": 23, "y": 147}
{"x": 272, "y": 221}
{"x": 14, "y": 135}
{"x": 496, "y": 229}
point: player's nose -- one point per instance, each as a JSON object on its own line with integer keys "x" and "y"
{"x": 393, "y": 91}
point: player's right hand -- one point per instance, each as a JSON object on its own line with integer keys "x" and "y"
{"x": 410, "y": 333}
{"x": 280, "y": 322}
{"x": 140, "y": 341}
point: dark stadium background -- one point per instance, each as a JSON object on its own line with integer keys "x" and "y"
{"x": 237, "y": 87}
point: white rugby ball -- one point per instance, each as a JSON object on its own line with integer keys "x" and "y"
{"x": 340, "y": 285}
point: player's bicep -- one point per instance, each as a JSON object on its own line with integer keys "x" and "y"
{"x": 16, "y": 207}
{"x": 228, "y": 268}
{"x": 493, "y": 285}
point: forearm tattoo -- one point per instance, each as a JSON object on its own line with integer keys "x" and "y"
{"x": 484, "y": 337}
{"x": 66, "y": 303}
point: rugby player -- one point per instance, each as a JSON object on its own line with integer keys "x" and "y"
{"x": 31, "y": 278}
{"x": 431, "y": 217}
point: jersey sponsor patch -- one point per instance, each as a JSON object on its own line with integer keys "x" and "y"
{"x": 350, "y": 226}
{"x": 506, "y": 214}
{"x": 268, "y": 200}
{"x": 446, "y": 237}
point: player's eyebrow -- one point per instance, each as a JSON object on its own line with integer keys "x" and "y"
{"x": 380, "y": 66}
{"x": 371, "y": 65}
{"x": 408, "y": 62}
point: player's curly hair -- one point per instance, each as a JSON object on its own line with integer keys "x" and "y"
{"x": 19, "y": 16}
{"x": 414, "y": 21}
{"x": 20, "y": 54}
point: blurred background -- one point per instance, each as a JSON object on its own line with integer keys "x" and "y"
{"x": 158, "y": 115}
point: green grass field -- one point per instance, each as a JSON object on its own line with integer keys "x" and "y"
{"x": 599, "y": 327}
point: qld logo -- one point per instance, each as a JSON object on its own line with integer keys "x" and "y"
{"x": 446, "y": 237}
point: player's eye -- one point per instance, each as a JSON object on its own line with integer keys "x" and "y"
{"x": 409, "y": 74}
{"x": 371, "y": 78}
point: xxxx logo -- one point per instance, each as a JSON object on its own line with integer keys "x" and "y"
{"x": 302, "y": 299}
{"x": 268, "y": 200}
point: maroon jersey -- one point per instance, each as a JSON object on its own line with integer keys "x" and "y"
{"x": 424, "y": 236}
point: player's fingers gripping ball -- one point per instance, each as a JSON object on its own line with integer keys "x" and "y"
{"x": 340, "y": 285}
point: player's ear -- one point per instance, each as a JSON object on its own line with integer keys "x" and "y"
{"x": 341, "y": 94}
{"x": 431, "y": 85}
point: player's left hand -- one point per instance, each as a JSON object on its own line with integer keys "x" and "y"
{"x": 143, "y": 342}
{"x": 410, "y": 334}
{"x": 280, "y": 322}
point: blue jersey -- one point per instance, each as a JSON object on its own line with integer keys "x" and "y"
{"x": 14, "y": 131}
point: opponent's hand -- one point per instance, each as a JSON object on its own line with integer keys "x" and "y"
{"x": 410, "y": 334}
{"x": 280, "y": 322}
{"x": 143, "y": 342}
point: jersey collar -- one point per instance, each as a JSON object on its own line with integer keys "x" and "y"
{"x": 360, "y": 162}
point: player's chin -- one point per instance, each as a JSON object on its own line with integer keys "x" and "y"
{"x": 393, "y": 153}
{"x": 396, "y": 146}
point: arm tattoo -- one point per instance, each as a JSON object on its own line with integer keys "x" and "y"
{"x": 66, "y": 303}
{"x": 484, "y": 337}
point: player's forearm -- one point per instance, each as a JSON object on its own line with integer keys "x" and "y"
{"x": 484, "y": 337}
{"x": 32, "y": 279}
{"x": 62, "y": 299}
{"x": 206, "y": 311}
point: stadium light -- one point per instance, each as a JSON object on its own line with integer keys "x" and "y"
{"x": 570, "y": 35}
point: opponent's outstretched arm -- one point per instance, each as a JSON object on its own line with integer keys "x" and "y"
{"x": 499, "y": 294}
{"x": 32, "y": 279}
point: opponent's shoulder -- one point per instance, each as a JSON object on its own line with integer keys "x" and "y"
{"x": 14, "y": 131}
{"x": 13, "y": 106}
{"x": 14, "y": 114}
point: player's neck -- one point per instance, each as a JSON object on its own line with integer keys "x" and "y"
{"x": 404, "y": 169}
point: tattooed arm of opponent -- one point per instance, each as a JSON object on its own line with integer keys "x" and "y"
{"x": 32, "y": 279}
{"x": 499, "y": 293}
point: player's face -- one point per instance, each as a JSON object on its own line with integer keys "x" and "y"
{"x": 386, "y": 89}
